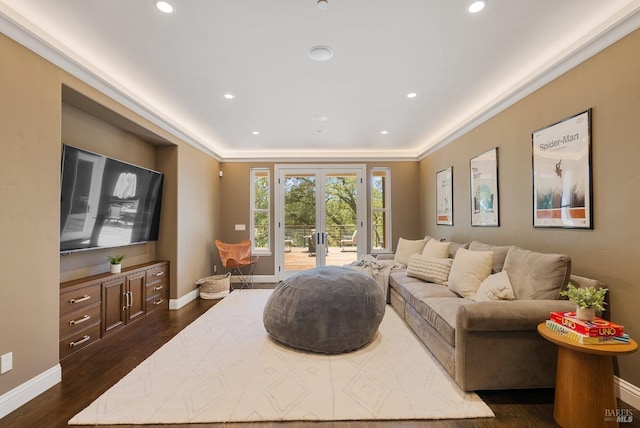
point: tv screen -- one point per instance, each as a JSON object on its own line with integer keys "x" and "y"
{"x": 105, "y": 202}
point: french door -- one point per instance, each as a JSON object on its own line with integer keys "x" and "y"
{"x": 320, "y": 216}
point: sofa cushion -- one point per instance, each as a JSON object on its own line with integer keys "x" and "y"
{"x": 406, "y": 248}
{"x": 431, "y": 269}
{"x": 435, "y": 248}
{"x": 495, "y": 287}
{"x": 441, "y": 313}
{"x": 468, "y": 270}
{"x": 454, "y": 247}
{"x": 536, "y": 275}
{"x": 409, "y": 287}
{"x": 499, "y": 253}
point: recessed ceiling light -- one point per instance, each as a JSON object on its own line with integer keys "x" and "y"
{"x": 476, "y": 6}
{"x": 322, "y": 4}
{"x": 412, "y": 95}
{"x": 164, "y": 6}
{"x": 320, "y": 118}
{"x": 384, "y": 132}
{"x": 320, "y": 53}
{"x": 229, "y": 96}
{"x": 256, "y": 132}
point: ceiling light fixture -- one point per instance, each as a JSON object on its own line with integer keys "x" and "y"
{"x": 256, "y": 132}
{"x": 320, "y": 53}
{"x": 476, "y": 6}
{"x": 229, "y": 96}
{"x": 322, "y": 4}
{"x": 384, "y": 132}
{"x": 412, "y": 95}
{"x": 320, "y": 118}
{"x": 164, "y": 6}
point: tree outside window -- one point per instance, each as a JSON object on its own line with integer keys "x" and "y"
{"x": 260, "y": 210}
{"x": 380, "y": 209}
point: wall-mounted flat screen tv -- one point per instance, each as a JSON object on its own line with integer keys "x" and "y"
{"x": 106, "y": 203}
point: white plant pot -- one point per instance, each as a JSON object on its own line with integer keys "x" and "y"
{"x": 586, "y": 314}
{"x": 116, "y": 268}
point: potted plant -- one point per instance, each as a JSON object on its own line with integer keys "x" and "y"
{"x": 588, "y": 299}
{"x": 116, "y": 263}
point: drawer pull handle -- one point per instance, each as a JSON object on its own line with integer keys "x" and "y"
{"x": 80, "y": 320}
{"x": 80, "y": 342}
{"x": 159, "y": 273}
{"x": 160, "y": 287}
{"x": 158, "y": 302}
{"x": 80, "y": 299}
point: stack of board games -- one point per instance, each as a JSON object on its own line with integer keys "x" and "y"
{"x": 596, "y": 332}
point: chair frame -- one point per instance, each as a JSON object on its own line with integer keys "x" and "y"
{"x": 237, "y": 257}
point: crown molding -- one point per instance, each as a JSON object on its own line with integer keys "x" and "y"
{"x": 16, "y": 27}
{"x": 22, "y": 31}
{"x": 612, "y": 30}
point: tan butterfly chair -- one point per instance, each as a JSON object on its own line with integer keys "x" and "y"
{"x": 238, "y": 257}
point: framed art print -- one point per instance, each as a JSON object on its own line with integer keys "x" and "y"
{"x": 562, "y": 184}
{"x": 444, "y": 197}
{"x": 484, "y": 189}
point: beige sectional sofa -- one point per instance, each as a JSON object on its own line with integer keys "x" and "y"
{"x": 488, "y": 339}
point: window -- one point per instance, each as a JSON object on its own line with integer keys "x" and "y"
{"x": 380, "y": 209}
{"x": 260, "y": 211}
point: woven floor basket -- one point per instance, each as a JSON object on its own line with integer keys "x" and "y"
{"x": 215, "y": 286}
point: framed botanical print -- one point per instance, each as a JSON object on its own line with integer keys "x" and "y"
{"x": 444, "y": 197}
{"x": 485, "y": 207}
{"x": 562, "y": 184}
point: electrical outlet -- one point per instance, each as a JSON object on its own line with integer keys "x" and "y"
{"x": 241, "y": 227}
{"x": 6, "y": 362}
{"x": 215, "y": 268}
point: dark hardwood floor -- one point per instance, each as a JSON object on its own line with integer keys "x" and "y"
{"x": 89, "y": 373}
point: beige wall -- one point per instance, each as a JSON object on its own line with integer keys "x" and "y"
{"x": 198, "y": 217}
{"x": 235, "y": 203}
{"x": 33, "y": 126}
{"x": 609, "y": 83}
{"x": 30, "y": 214}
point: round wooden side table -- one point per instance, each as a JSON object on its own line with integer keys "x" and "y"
{"x": 585, "y": 395}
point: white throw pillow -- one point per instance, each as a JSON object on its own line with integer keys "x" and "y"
{"x": 437, "y": 249}
{"x": 495, "y": 287}
{"x": 468, "y": 270}
{"x": 406, "y": 248}
{"x": 432, "y": 269}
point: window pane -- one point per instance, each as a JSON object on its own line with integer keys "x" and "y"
{"x": 261, "y": 230}
{"x": 261, "y": 189}
{"x": 260, "y": 210}
{"x": 380, "y": 212}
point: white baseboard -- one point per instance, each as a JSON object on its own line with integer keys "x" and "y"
{"x": 29, "y": 390}
{"x": 627, "y": 392}
{"x": 175, "y": 304}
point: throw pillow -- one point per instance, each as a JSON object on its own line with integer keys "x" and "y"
{"x": 499, "y": 253}
{"x": 406, "y": 248}
{"x": 536, "y": 275}
{"x": 437, "y": 249}
{"x": 495, "y": 287}
{"x": 432, "y": 269}
{"x": 468, "y": 270}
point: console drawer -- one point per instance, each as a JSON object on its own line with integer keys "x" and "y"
{"x": 76, "y": 321}
{"x": 158, "y": 274}
{"x": 80, "y": 340}
{"x": 80, "y": 298}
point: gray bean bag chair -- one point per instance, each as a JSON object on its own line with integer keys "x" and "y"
{"x": 328, "y": 310}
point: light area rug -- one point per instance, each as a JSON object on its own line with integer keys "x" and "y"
{"x": 224, "y": 367}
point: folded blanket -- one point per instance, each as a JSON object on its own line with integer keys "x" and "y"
{"x": 369, "y": 265}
